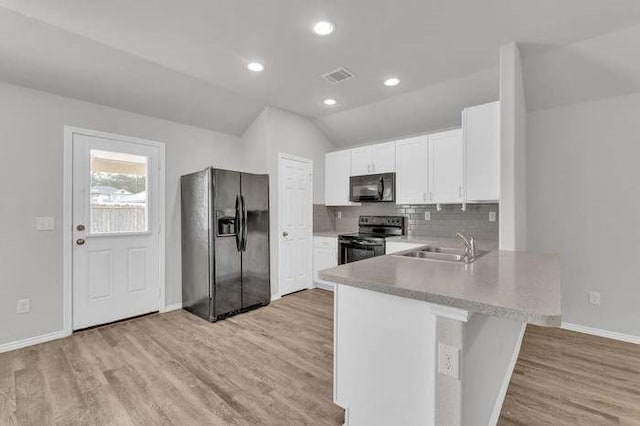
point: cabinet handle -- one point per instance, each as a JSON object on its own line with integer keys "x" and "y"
{"x": 430, "y": 196}
{"x": 460, "y": 191}
{"x": 424, "y": 195}
{"x": 373, "y": 167}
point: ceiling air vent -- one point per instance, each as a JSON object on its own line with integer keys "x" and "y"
{"x": 338, "y": 75}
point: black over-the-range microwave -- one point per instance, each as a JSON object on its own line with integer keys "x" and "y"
{"x": 373, "y": 188}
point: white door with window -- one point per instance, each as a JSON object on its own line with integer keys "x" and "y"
{"x": 116, "y": 227}
{"x": 296, "y": 223}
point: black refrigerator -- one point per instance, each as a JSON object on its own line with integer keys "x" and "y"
{"x": 225, "y": 242}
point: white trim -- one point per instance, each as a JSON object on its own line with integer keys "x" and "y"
{"x": 172, "y": 307}
{"x": 19, "y": 344}
{"x": 449, "y": 312}
{"x": 67, "y": 212}
{"x": 284, "y": 156}
{"x": 602, "y": 333}
{"x": 275, "y": 297}
{"x": 497, "y": 408}
{"x": 325, "y": 285}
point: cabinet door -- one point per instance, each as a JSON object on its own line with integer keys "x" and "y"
{"x": 412, "y": 175}
{"x": 383, "y": 158}
{"x": 446, "y": 167}
{"x": 323, "y": 258}
{"x": 481, "y": 139}
{"x": 336, "y": 178}
{"x": 361, "y": 161}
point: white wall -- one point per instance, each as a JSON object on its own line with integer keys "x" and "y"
{"x": 278, "y": 131}
{"x": 513, "y": 202}
{"x": 31, "y": 141}
{"x": 494, "y": 344}
{"x": 584, "y": 203}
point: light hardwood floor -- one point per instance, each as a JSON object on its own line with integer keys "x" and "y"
{"x": 568, "y": 378}
{"x": 274, "y": 366}
{"x": 269, "y": 366}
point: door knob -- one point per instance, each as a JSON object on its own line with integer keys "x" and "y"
{"x": 80, "y": 227}
{"x": 80, "y": 241}
{"x": 285, "y": 234}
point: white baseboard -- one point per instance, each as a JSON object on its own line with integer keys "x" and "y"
{"x": 172, "y": 307}
{"x": 19, "y": 344}
{"x": 495, "y": 416}
{"x": 325, "y": 285}
{"x": 601, "y": 333}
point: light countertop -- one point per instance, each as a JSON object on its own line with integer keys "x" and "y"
{"x": 328, "y": 234}
{"x": 505, "y": 284}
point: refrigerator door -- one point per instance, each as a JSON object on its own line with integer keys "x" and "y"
{"x": 228, "y": 266}
{"x": 256, "y": 289}
{"x": 197, "y": 252}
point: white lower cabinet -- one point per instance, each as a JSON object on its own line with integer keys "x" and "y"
{"x": 325, "y": 255}
{"x": 395, "y": 247}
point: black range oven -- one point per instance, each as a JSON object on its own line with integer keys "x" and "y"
{"x": 370, "y": 240}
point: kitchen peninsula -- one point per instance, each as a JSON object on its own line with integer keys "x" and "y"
{"x": 425, "y": 342}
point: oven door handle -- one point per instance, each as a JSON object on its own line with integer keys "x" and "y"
{"x": 354, "y": 244}
{"x": 381, "y": 188}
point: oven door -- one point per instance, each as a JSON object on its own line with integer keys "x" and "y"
{"x": 352, "y": 251}
{"x": 372, "y": 188}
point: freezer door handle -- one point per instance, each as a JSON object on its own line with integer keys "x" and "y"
{"x": 244, "y": 224}
{"x": 238, "y": 220}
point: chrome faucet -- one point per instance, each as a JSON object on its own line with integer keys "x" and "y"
{"x": 470, "y": 250}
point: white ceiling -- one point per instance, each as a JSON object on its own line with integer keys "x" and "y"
{"x": 185, "y": 60}
{"x": 597, "y": 68}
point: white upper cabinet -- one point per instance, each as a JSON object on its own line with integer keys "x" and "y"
{"x": 361, "y": 161}
{"x": 379, "y": 158}
{"x": 482, "y": 144}
{"x": 412, "y": 175}
{"x": 336, "y": 178}
{"x": 446, "y": 175}
{"x": 383, "y": 157}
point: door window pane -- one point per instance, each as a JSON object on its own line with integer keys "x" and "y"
{"x": 119, "y": 192}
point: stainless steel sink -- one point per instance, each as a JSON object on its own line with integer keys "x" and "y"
{"x": 442, "y": 253}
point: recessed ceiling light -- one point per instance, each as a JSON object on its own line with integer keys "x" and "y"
{"x": 329, "y": 102}
{"x": 391, "y": 82}
{"x": 324, "y": 28}
{"x": 255, "y": 66}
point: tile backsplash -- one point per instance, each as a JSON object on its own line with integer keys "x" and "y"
{"x": 444, "y": 223}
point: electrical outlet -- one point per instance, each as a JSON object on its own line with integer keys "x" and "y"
{"x": 492, "y": 216}
{"x": 427, "y": 215}
{"x": 594, "y": 298}
{"x": 23, "y": 306}
{"x": 339, "y": 215}
{"x": 45, "y": 223}
{"x": 449, "y": 361}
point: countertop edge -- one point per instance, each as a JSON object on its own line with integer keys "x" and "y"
{"x": 545, "y": 320}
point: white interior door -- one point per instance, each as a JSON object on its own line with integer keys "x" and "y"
{"x": 116, "y": 255}
{"x": 296, "y": 224}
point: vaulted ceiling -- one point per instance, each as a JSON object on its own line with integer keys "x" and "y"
{"x": 186, "y": 60}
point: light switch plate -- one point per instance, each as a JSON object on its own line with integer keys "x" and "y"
{"x": 427, "y": 215}
{"x": 449, "y": 361}
{"x": 339, "y": 215}
{"x": 45, "y": 223}
{"x": 492, "y": 216}
{"x": 23, "y": 306}
{"x": 594, "y": 298}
